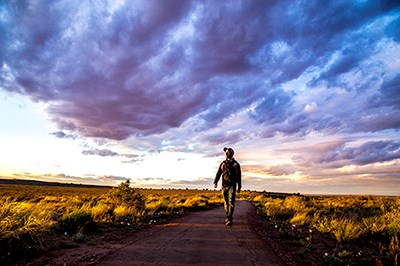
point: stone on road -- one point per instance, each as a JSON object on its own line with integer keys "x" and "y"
{"x": 199, "y": 239}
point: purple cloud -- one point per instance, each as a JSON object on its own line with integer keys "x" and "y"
{"x": 274, "y": 107}
{"x": 372, "y": 152}
{"x": 340, "y": 153}
{"x": 141, "y": 68}
{"x": 389, "y": 94}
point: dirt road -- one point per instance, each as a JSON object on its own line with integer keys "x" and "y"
{"x": 198, "y": 239}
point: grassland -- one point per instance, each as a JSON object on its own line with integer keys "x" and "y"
{"x": 346, "y": 230}
{"x": 36, "y": 218}
{"x": 334, "y": 230}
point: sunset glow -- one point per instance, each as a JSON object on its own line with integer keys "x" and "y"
{"x": 306, "y": 93}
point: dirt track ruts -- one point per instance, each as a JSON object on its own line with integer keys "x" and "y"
{"x": 199, "y": 239}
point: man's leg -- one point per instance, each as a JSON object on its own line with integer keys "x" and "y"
{"x": 225, "y": 194}
{"x": 231, "y": 202}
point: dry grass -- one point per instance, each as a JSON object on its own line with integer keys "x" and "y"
{"x": 29, "y": 214}
{"x": 348, "y": 220}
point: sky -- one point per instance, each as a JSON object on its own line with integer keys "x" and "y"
{"x": 307, "y": 93}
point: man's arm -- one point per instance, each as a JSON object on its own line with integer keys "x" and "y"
{"x": 218, "y": 175}
{"x": 239, "y": 176}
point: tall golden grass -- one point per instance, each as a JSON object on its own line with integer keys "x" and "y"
{"x": 29, "y": 214}
{"x": 346, "y": 218}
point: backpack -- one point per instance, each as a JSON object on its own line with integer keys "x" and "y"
{"x": 229, "y": 172}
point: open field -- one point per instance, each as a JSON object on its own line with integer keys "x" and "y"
{"x": 31, "y": 215}
{"x": 334, "y": 230}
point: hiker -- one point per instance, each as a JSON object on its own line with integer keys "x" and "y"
{"x": 231, "y": 175}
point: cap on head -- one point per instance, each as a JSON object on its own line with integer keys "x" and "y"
{"x": 231, "y": 151}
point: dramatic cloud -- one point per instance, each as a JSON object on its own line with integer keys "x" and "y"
{"x": 371, "y": 152}
{"x": 344, "y": 153}
{"x": 177, "y": 76}
{"x": 143, "y": 67}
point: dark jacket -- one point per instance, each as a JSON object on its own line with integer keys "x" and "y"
{"x": 231, "y": 173}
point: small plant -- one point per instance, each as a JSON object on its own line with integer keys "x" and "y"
{"x": 345, "y": 230}
{"x": 129, "y": 203}
{"x": 124, "y": 194}
{"x": 301, "y": 217}
{"x": 71, "y": 222}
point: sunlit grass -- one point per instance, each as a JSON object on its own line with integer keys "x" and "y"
{"x": 29, "y": 213}
{"x": 346, "y": 218}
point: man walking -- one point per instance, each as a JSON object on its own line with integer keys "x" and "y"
{"x": 231, "y": 175}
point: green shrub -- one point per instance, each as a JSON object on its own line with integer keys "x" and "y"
{"x": 71, "y": 222}
{"x": 125, "y": 195}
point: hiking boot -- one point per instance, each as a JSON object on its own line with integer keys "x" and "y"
{"x": 228, "y": 223}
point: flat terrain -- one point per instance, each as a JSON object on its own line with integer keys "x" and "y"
{"x": 199, "y": 239}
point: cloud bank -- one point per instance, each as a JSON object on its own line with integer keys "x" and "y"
{"x": 179, "y": 75}
{"x": 132, "y": 68}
